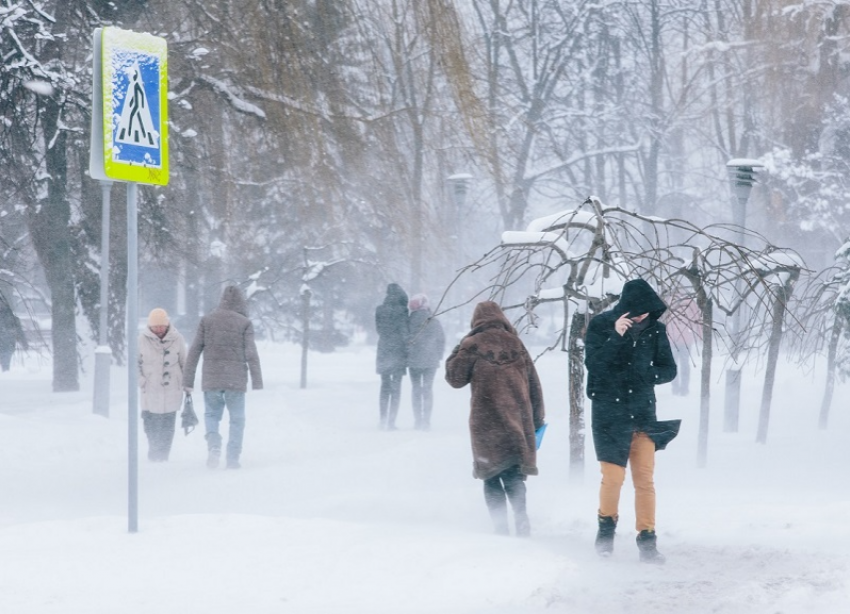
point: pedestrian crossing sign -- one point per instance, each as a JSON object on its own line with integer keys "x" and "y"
{"x": 134, "y": 90}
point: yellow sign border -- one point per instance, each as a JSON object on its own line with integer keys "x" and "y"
{"x": 114, "y": 40}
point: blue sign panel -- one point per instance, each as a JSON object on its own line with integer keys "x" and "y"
{"x": 136, "y": 120}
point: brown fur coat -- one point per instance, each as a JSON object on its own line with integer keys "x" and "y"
{"x": 507, "y": 399}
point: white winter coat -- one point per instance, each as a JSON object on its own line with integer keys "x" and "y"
{"x": 161, "y": 364}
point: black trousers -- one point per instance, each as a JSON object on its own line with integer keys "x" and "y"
{"x": 160, "y": 431}
{"x": 390, "y": 397}
{"x": 509, "y": 485}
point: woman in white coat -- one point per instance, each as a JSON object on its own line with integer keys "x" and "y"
{"x": 162, "y": 354}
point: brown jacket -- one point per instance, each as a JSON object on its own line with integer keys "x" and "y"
{"x": 226, "y": 337}
{"x": 507, "y": 399}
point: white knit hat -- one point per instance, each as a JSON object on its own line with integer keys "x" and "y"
{"x": 158, "y": 317}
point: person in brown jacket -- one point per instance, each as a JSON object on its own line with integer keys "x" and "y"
{"x": 505, "y": 411}
{"x": 226, "y": 338}
{"x": 162, "y": 354}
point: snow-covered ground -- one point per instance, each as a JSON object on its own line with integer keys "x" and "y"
{"x": 331, "y": 515}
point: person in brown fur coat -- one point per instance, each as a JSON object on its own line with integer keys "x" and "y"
{"x": 505, "y": 411}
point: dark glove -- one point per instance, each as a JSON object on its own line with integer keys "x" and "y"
{"x": 188, "y": 417}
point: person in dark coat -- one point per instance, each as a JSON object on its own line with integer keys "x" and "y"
{"x": 424, "y": 353}
{"x": 11, "y": 334}
{"x": 226, "y": 338}
{"x": 391, "y": 362}
{"x": 505, "y": 411}
{"x": 627, "y": 355}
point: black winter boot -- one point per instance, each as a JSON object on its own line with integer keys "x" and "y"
{"x": 605, "y": 535}
{"x": 514, "y": 484}
{"x": 497, "y": 505}
{"x": 646, "y": 545}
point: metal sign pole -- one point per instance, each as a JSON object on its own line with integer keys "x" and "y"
{"x": 129, "y": 142}
{"x": 132, "y": 358}
{"x": 103, "y": 353}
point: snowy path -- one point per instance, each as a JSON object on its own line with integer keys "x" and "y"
{"x": 331, "y": 515}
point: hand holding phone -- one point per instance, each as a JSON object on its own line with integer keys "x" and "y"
{"x": 623, "y": 323}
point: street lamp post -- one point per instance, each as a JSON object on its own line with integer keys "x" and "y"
{"x": 742, "y": 175}
{"x": 459, "y": 186}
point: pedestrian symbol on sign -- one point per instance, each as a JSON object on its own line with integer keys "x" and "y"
{"x": 136, "y": 125}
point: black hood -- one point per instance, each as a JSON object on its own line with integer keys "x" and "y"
{"x": 395, "y": 296}
{"x": 638, "y": 298}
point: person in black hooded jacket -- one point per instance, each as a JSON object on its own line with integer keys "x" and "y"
{"x": 391, "y": 361}
{"x": 627, "y": 353}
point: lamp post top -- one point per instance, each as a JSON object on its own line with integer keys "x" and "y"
{"x": 459, "y": 183}
{"x": 745, "y": 162}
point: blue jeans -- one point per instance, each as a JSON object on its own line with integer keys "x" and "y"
{"x": 214, "y": 404}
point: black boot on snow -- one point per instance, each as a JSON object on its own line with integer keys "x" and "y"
{"x": 646, "y": 546}
{"x": 605, "y": 535}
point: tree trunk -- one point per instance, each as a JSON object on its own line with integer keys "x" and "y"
{"x": 779, "y": 307}
{"x": 49, "y": 221}
{"x": 705, "y": 382}
{"x": 576, "y": 391}
{"x": 656, "y": 93}
{"x": 49, "y": 225}
{"x": 830, "y": 373}
{"x": 305, "y": 333}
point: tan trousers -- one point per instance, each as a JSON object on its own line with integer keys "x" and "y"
{"x": 642, "y": 462}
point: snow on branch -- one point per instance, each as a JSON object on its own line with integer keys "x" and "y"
{"x": 233, "y": 98}
{"x": 279, "y": 98}
{"x": 553, "y": 239}
{"x": 571, "y": 217}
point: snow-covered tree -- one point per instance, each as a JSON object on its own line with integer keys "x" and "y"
{"x": 582, "y": 257}
{"x": 45, "y": 96}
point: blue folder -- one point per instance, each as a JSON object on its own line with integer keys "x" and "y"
{"x": 538, "y": 434}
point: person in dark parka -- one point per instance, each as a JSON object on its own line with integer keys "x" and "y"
{"x": 627, "y": 355}
{"x": 505, "y": 411}
{"x": 424, "y": 353}
{"x": 391, "y": 362}
{"x": 225, "y": 337}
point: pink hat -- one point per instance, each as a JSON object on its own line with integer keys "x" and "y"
{"x": 417, "y": 302}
